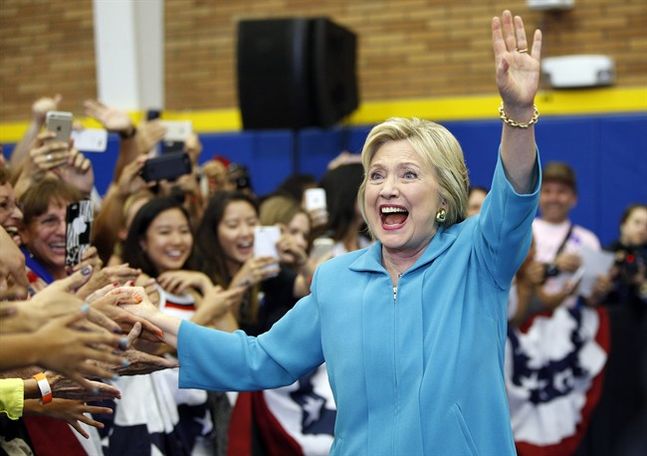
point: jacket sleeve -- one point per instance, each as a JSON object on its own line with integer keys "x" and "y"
{"x": 504, "y": 231}
{"x": 217, "y": 360}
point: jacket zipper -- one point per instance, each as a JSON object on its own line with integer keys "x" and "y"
{"x": 395, "y": 331}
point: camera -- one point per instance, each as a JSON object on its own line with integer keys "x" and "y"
{"x": 239, "y": 176}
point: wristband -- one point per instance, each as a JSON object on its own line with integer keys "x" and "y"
{"x": 43, "y": 386}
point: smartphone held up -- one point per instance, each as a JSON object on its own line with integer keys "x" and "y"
{"x": 166, "y": 167}
{"x": 60, "y": 123}
{"x": 78, "y": 222}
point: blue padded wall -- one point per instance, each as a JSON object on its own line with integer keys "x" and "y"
{"x": 608, "y": 153}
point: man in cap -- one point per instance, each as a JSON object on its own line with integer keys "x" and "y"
{"x": 559, "y": 241}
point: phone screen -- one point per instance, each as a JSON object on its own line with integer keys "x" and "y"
{"x": 78, "y": 221}
{"x": 315, "y": 198}
{"x": 265, "y": 239}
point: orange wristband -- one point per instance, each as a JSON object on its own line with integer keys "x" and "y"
{"x": 43, "y": 386}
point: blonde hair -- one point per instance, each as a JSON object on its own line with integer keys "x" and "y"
{"x": 279, "y": 209}
{"x": 437, "y": 148}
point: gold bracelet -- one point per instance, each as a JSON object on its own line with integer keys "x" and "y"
{"x": 513, "y": 123}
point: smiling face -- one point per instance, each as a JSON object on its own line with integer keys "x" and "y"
{"x": 45, "y": 236}
{"x": 236, "y": 231}
{"x": 401, "y": 198}
{"x": 168, "y": 240}
{"x": 556, "y": 201}
{"x": 10, "y": 215}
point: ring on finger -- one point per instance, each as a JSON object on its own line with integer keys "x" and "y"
{"x": 522, "y": 51}
{"x": 48, "y": 157}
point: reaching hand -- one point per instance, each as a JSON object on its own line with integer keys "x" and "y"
{"x": 140, "y": 362}
{"x": 108, "y": 305}
{"x": 64, "y": 388}
{"x": 517, "y": 67}
{"x": 68, "y": 349}
{"x": 43, "y": 105}
{"x": 140, "y": 305}
{"x": 112, "y": 119}
{"x": 121, "y": 274}
{"x": 70, "y": 411}
{"x": 57, "y": 300}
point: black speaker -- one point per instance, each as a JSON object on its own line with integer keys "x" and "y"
{"x": 295, "y": 73}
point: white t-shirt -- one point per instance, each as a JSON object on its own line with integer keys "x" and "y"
{"x": 548, "y": 237}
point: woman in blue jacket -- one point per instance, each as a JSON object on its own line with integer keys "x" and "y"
{"x": 412, "y": 328}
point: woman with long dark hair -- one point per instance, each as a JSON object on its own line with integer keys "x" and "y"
{"x": 160, "y": 243}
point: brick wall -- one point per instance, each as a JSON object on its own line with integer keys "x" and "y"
{"x": 407, "y": 48}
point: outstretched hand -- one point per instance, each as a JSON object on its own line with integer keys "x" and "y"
{"x": 111, "y": 118}
{"x": 517, "y": 65}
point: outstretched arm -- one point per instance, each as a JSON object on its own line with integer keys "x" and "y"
{"x": 517, "y": 78}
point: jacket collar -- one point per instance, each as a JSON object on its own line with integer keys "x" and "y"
{"x": 371, "y": 259}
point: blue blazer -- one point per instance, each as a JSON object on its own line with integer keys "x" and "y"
{"x": 419, "y": 372}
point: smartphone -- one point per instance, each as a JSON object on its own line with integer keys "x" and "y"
{"x": 78, "y": 221}
{"x": 177, "y": 132}
{"x": 169, "y": 167}
{"x": 315, "y": 198}
{"x": 322, "y": 247}
{"x": 59, "y": 122}
{"x": 265, "y": 239}
{"x": 90, "y": 139}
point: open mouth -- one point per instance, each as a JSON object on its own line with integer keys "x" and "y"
{"x": 175, "y": 254}
{"x": 393, "y": 217}
{"x": 12, "y": 231}
{"x": 245, "y": 247}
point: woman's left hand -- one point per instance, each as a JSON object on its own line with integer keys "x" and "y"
{"x": 517, "y": 65}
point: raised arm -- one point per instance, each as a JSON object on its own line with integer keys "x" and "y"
{"x": 517, "y": 78}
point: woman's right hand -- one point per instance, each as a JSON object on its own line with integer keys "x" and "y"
{"x": 255, "y": 270}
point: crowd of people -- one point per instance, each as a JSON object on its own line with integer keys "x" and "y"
{"x": 94, "y": 354}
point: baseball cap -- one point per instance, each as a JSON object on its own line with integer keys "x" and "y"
{"x": 559, "y": 172}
